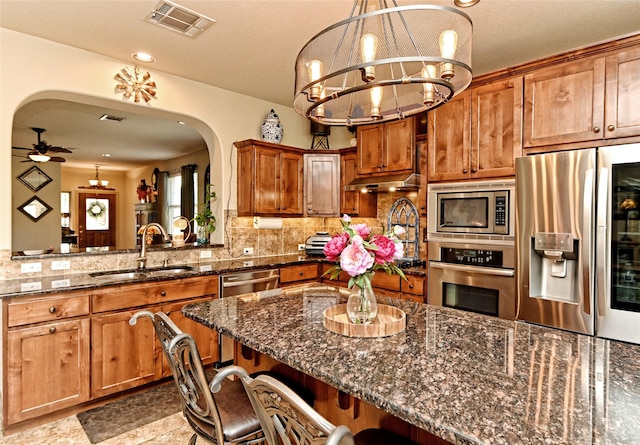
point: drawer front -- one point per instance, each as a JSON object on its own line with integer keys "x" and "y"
{"x": 413, "y": 285}
{"x": 22, "y": 311}
{"x": 145, "y": 294}
{"x": 299, "y": 273}
{"x": 383, "y": 280}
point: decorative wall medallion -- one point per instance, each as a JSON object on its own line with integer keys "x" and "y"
{"x": 136, "y": 84}
{"x": 34, "y": 208}
{"x": 272, "y": 129}
{"x": 34, "y": 178}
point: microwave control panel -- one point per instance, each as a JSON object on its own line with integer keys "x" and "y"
{"x": 473, "y": 257}
{"x": 501, "y": 210}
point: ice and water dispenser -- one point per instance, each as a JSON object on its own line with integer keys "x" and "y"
{"x": 553, "y": 267}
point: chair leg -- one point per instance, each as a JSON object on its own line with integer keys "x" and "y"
{"x": 193, "y": 439}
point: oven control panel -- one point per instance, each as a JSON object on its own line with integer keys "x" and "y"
{"x": 474, "y": 257}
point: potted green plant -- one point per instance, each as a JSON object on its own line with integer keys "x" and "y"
{"x": 205, "y": 219}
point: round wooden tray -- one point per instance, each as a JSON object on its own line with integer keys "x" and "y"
{"x": 389, "y": 321}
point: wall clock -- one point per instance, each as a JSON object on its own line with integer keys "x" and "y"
{"x": 135, "y": 83}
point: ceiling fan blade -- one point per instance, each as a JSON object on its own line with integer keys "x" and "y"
{"x": 21, "y": 148}
{"x": 56, "y": 159}
{"x": 59, "y": 150}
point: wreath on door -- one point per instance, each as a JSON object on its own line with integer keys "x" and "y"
{"x": 96, "y": 209}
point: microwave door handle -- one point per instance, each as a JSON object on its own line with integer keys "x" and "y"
{"x": 602, "y": 253}
{"x": 473, "y": 269}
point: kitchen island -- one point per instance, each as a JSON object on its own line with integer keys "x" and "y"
{"x": 463, "y": 377}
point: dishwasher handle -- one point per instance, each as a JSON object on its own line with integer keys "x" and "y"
{"x": 234, "y": 282}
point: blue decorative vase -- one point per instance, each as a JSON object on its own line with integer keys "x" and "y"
{"x": 272, "y": 129}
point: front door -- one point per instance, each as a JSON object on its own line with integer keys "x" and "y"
{"x": 96, "y": 220}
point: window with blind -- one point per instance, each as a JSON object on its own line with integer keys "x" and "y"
{"x": 174, "y": 186}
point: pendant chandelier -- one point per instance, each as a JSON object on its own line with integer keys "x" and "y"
{"x": 383, "y": 63}
{"x": 97, "y": 183}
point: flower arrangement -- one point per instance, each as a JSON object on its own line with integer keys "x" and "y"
{"x": 360, "y": 254}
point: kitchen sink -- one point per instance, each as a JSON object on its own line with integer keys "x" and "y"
{"x": 136, "y": 274}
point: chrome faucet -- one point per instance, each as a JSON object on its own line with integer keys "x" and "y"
{"x": 142, "y": 259}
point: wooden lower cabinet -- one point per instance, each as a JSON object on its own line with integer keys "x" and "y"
{"x": 47, "y": 369}
{"x": 293, "y": 275}
{"x": 123, "y": 356}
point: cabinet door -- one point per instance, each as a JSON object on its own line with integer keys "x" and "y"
{"x": 496, "y": 128}
{"x": 268, "y": 183}
{"x": 47, "y": 369}
{"x": 449, "y": 139}
{"x": 398, "y": 152}
{"x": 370, "y": 140}
{"x": 322, "y": 182}
{"x": 354, "y": 203}
{"x": 246, "y": 187}
{"x": 124, "y": 356}
{"x": 622, "y": 93}
{"x": 564, "y": 103}
{"x": 291, "y": 171}
{"x": 206, "y": 338}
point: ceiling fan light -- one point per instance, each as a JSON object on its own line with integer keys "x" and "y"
{"x": 37, "y": 157}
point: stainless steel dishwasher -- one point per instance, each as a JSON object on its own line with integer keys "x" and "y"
{"x": 237, "y": 284}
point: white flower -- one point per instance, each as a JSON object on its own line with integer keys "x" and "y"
{"x": 346, "y": 218}
{"x": 398, "y": 230}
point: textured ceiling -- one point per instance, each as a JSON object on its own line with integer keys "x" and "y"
{"x": 251, "y": 49}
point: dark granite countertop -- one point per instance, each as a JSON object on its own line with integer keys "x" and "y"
{"x": 33, "y": 285}
{"x": 464, "y": 377}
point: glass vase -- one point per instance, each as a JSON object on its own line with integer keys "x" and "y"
{"x": 202, "y": 237}
{"x": 361, "y": 305}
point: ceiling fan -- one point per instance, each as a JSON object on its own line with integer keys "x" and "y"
{"x": 40, "y": 151}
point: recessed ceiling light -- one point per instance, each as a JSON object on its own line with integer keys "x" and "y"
{"x": 465, "y": 3}
{"x": 143, "y": 57}
{"x": 106, "y": 155}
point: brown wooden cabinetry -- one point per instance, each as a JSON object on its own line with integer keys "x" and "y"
{"x": 47, "y": 355}
{"x": 115, "y": 368}
{"x": 592, "y": 99}
{"x": 270, "y": 179}
{"x": 388, "y": 147}
{"x": 478, "y": 134}
{"x": 354, "y": 203}
{"x": 291, "y": 275}
{"x": 321, "y": 184}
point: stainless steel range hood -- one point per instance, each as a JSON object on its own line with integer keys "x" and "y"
{"x": 385, "y": 183}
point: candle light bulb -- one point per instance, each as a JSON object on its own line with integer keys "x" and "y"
{"x": 315, "y": 72}
{"x": 376, "y": 100}
{"x": 428, "y": 71}
{"x": 448, "y": 45}
{"x": 368, "y": 49}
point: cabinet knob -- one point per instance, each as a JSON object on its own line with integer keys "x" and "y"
{"x": 353, "y": 208}
{"x": 464, "y": 170}
{"x": 611, "y": 128}
{"x": 473, "y": 170}
{"x": 411, "y": 286}
{"x": 168, "y": 313}
{"x": 301, "y": 273}
{"x": 163, "y": 293}
{"x": 596, "y": 129}
{"x": 52, "y": 330}
{"x": 52, "y": 309}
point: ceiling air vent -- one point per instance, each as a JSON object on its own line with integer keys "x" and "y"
{"x": 179, "y": 19}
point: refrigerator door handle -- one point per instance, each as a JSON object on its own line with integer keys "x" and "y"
{"x": 587, "y": 250}
{"x": 602, "y": 275}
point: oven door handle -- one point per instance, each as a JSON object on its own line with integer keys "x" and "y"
{"x": 474, "y": 269}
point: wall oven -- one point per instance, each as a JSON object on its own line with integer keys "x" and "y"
{"x": 472, "y": 277}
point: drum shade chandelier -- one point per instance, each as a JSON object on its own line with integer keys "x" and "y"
{"x": 384, "y": 63}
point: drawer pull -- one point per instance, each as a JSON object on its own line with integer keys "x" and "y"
{"x": 52, "y": 330}
{"x": 163, "y": 293}
{"x": 411, "y": 286}
{"x": 52, "y": 309}
{"x": 301, "y": 273}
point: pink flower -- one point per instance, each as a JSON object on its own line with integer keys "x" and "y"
{"x": 399, "y": 250}
{"x": 386, "y": 249}
{"x": 335, "y": 246}
{"x": 361, "y": 229}
{"x": 355, "y": 259}
{"x": 399, "y": 230}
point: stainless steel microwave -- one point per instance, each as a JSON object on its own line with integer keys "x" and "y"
{"x": 473, "y": 207}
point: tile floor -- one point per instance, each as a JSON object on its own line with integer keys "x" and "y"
{"x": 171, "y": 430}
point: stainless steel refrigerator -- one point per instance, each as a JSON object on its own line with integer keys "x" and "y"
{"x": 578, "y": 240}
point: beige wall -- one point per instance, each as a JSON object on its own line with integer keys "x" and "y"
{"x": 220, "y": 116}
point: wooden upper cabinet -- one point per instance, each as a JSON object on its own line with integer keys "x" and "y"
{"x": 564, "y": 103}
{"x": 449, "y": 139}
{"x": 622, "y": 107}
{"x": 388, "y": 147}
{"x": 354, "y": 203}
{"x": 478, "y": 134}
{"x": 270, "y": 179}
{"x": 322, "y": 184}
